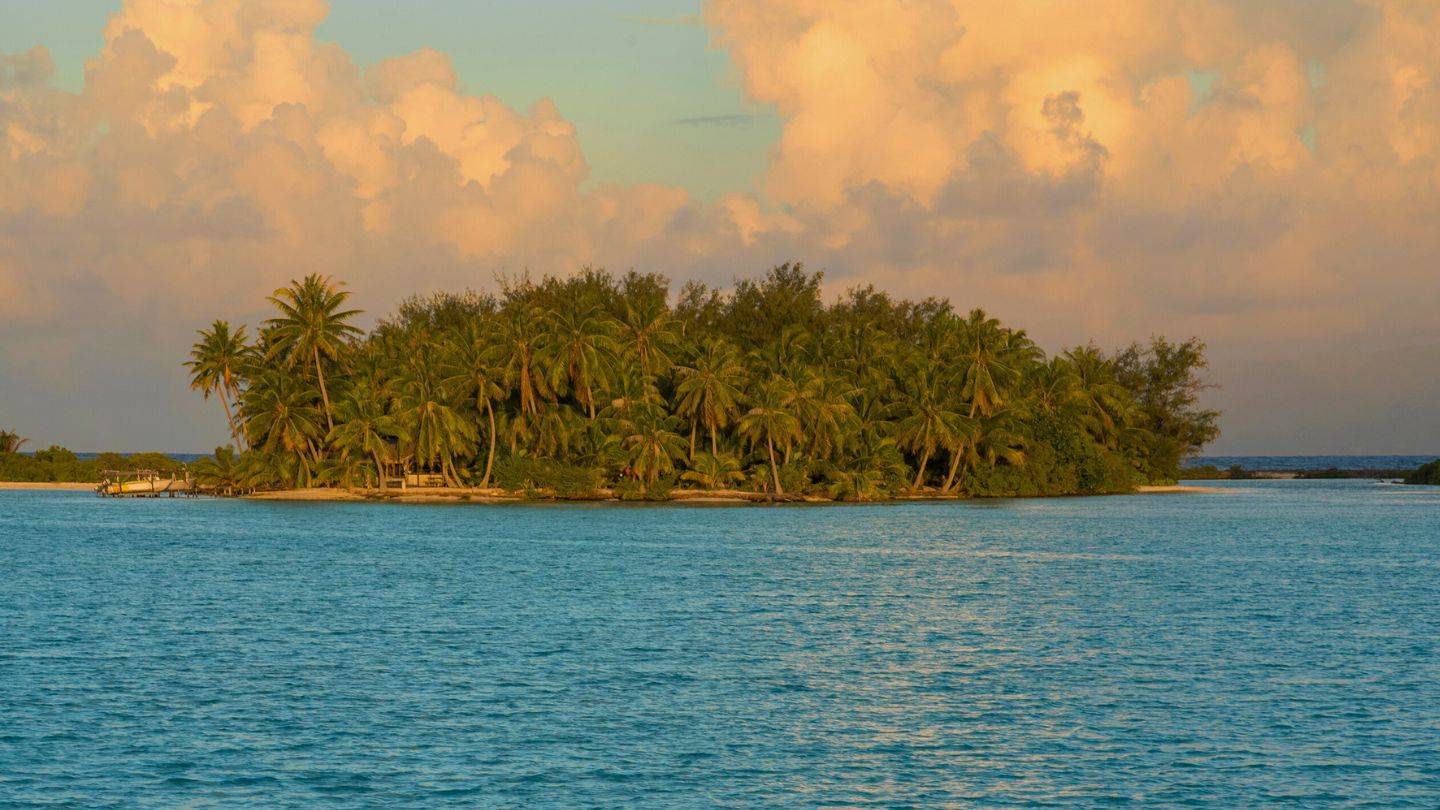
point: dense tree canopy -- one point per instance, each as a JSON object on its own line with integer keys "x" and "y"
{"x": 599, "y": 381}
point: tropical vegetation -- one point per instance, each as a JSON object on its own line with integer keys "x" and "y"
{"x": 1427, "y": 474}
{"x": 57, "y": 464}
{"x": 597, "y": 382}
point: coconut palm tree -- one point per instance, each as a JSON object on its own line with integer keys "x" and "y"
{"x": 278, "y": 410}
{"x": 986, "y": 440}
{"x": 709, "y": 390}
{"x": 312, "y": 327}
{"x": 823, "y": 407}
{"x": 1104, "y": 404}
{"x": 768, "y": 423}
{"x": 427, "y": 415}
{"x": 991, "y": 362}
{"x": 1052, "y": 387}
{"x": 222, "y": 472}
{"x": 215, "y": 362}
{"x": 11, "y": 442}
{"x": 469, "y": 369}
{"x": 365, "y": 428}
{"x": 927, "y": 423}
{"x": 709, "y": 471}
{"x": 578, "y": 347}
{"x": 650, "y": 447}
{"x": 649, "y": 334}
{"x": 515, "y": 352}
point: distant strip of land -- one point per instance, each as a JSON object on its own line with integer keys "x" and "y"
{"x": 54, "y": 485}
{"x": 1180, "y": 488}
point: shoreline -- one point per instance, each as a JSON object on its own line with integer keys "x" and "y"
{"x": 65, "y": 486}
{"x": 697, "y": 497}
{"x": 1185, "y": 489}
{"x": 417, "y": 495}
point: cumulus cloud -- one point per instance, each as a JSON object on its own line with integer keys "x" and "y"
{"x": 1257, "y": 173}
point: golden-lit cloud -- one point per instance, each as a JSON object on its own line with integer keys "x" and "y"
{"x": 1258, "y": 172}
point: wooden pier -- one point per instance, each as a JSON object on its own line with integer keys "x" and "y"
{"x": 145, "y": 484}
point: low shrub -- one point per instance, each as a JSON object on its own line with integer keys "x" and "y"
{"x": 529, "y": 473}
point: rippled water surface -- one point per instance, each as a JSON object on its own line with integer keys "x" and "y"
{"x": 1273, "y": 641}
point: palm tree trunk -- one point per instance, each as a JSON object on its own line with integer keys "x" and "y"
{"x": 954, "y": 467}
{"x": 379, "y": 470}
{"x": 774, "y": 470}
{"x": 324, "y": 395}
{"x": 713, "y": 451}
{"x": 229, "y": 417}
{"x": 692, "y": 441}
{"x": 490, "y": 458}
{"x": 920, "y": 473}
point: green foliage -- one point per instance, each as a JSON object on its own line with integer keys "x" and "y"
{"x": 1425, "y": 474}
{"x": 714, "y": 472}
{"x": 529, "y": 473}
{"x": 57, "y": 464}
{"x": 11, "y": 442}
{"x": 1164, "y": 380}
{"x": 578, "y": 384}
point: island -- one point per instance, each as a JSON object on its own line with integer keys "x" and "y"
{"x": 605, "y": 386}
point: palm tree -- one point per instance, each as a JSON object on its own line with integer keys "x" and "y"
{"x": 578, "y": 347}
{"x": 650, "y": 334}
{"x": 270, "y": 470}
{"x": 650, "y": 447}
{"x": 11, "y": 442}
{"x": 1104, "y": 403}
{"x": 515, "y": 353}
{"x": 1052, "y": 386}
{"x": 859, "y": 484}
{"x": 280, "y": 417}
{"x": 985, "y": 440}
{"x": 785, "y": 354}
{"x": 990, "y": 358}
{"x": 823, "y": 406}
{"x": 222, "y": 472}
{"x": 553, "y": 431}
{"x": 714, "y": 472}
{"x": 214, "y": 365}
{"x": 312, "y": 326}
{"x": 928, "y": 423}
{"x": 426, "y": 413}
{"x": 469, "y": 370}
{"x": 769, "y": 423}
{"x": 709, "y": 391}
{"x": 364, "y": 428}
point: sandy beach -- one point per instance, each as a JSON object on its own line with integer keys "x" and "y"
{"x": 427, "y": 495}
{"x": 1173, "y": 488}
{"x": 418, "y": 495}
{"x": 53, "y": 485}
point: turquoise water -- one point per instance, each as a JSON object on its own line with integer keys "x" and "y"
{"x": 1275, "y": 641}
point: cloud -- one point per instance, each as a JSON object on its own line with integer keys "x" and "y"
{"x": 1057, "y": 163}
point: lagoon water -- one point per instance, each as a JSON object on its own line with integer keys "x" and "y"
{"x": 1277, "y": 640}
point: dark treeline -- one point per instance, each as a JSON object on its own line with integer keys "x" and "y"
{"x": 56, "y": 464}
{"x": 596, "y": 381}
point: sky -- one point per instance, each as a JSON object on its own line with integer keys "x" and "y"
{"x": 1263, "y": 174}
